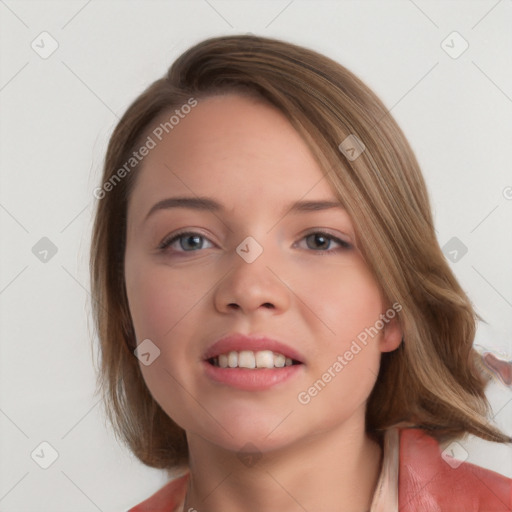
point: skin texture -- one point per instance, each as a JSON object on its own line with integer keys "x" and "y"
{"x": 315, "y": 296}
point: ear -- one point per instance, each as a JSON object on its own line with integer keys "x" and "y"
{"x": 391, "y": 335}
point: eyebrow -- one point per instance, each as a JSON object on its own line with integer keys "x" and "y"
{"x": 210, "y": 205}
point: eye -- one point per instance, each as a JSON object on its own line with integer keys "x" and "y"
{"x": 189, "y": 241}
{"x": 321, "y": 241}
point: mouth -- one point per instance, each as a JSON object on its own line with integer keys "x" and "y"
{"x": 251, "y": 363}
{"x": 252, "y": 360}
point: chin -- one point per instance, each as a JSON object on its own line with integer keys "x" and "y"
{"x": 255, "y": 443}
{"x": 246, "y": 432}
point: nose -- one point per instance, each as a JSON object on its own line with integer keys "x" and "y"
{"x": 251, "y": 287}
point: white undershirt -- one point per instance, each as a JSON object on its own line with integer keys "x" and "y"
{"x": 385, "y": 498}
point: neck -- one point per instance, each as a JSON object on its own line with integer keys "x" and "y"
{"x": 335, "y": 470}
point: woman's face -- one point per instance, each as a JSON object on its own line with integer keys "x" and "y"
{"x": 267, "y": 253}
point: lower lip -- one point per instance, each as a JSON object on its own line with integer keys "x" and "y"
{"x": 251, "y": 380}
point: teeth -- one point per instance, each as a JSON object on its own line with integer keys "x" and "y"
{"x": 233, "y": 359}
{"x": 279, "y": 361}
{"x": 246, "y": 359}
{"x": 223, "y": 361}
{"x": 265, "y": 359}
{"x": 251, "y": 360}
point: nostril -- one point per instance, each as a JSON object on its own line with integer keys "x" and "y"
{"x": 268, "y": 305}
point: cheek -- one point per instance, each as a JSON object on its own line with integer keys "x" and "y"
{"x": 159, "y": 297}
{"x": 346, "y": 300}
{"x": 345, "y": 370}
{"x": 160, "y": 304}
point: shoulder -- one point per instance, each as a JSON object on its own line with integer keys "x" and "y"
{"x": 432, "y": 481}
{"x": 167, "y": 499}
{"x": 429, "y": 480}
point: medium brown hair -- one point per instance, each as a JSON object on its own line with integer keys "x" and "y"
{"x": 431, "y": 380}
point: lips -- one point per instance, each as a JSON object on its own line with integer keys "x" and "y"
{"x": 254, "y": 343}
{"x": 234, "y": 361}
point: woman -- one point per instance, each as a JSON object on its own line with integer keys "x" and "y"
{"x": 276, "y": 317}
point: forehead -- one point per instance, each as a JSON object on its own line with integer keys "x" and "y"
{"x": 234, "y": 148}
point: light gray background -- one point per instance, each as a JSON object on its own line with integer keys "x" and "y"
{"x": 57, "y": 114}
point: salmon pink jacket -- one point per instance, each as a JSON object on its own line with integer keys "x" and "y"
{"x": 416, "y": 477}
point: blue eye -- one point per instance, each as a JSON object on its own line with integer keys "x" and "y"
{"x": 321, "y": 241}
{"x": 188, "y": 242}
{"x": 191, "y": 241}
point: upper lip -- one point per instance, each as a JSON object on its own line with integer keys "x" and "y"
{"x": 254, "y": 342}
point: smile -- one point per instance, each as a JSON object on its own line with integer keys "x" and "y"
{"x": 252, "y": 360}
{"x": 251, "y": 363}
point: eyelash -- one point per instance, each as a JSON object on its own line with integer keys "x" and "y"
{"x": 344, "y": 246}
